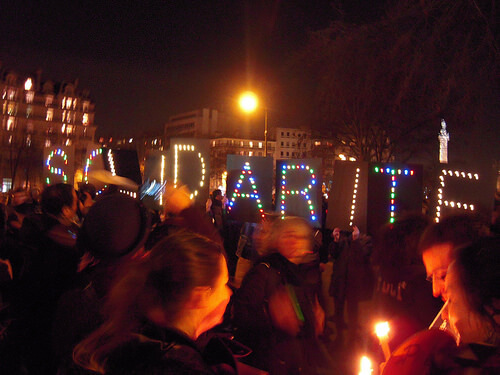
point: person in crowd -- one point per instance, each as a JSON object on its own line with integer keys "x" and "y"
{"x": 86, "y": 198}
{"x": 276, "y": 311}
{"x": 472, "y": 287}
{"x": 352, "y": 277}
{"x": 217, "y": 210}
{"x": 402, "y": 295}
{"x": 49, "y": 266}
{"x": 158, "y": 307}
{"x": 20, "y": 207}
{"x": 179, "y": 212}
{"x": 438, "y": 241}
{"x": 115, "y": 229}
{"x": 250, "y": 246}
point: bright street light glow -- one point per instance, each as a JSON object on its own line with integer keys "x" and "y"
{"x": 248, "y": 101}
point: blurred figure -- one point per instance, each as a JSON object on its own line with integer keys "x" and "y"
{"x": 217, "y": 210}
{"x": 402, "y": 295}
{"x": 276, "y": 311}
{"x": 20, "y": 206}
{"x": 86, "y": 198}
{"x": 250, "y": 246}
{"x": 158, "y": 307}
{"x": 179, "y": 212}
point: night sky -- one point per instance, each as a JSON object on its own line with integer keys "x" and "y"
{"x": 146, "y": 60}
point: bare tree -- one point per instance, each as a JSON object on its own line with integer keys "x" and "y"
{"x": 382, "y": 88}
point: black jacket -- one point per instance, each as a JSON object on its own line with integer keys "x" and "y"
{"x": 167, "y": 351}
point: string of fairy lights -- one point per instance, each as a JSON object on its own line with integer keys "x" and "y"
{"x": 442, "y": 201}
{"x": 394, "y": 174}
{"x": 189, "y": 148}
{"x": 305, "y": 192}
{"x": 246, "y": 172}
{"x": 53, "y": 170}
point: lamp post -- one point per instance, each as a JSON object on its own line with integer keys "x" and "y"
{"x": 249, "y": 102}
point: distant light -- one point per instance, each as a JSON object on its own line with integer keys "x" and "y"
{"x": 28, "y": 84}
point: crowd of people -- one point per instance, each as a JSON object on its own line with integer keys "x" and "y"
{"x": 92, "y": 284}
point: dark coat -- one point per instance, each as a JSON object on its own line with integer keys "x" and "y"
{"x": 352, "y": 275}
{"x": 274, "y": 350}
{"x": 167, "y": 351}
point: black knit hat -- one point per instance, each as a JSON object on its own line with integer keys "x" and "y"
{"x": 114, "y": 226}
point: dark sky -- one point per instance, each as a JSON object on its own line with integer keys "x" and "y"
{"x": 146, "y": 60}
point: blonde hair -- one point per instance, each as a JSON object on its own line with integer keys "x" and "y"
{"x": 271, "y": 243}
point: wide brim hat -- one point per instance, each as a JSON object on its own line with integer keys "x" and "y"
{"x": 115, "y": 225}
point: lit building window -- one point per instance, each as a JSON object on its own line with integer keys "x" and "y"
{"x": 28, "y": 140}
{"x": 68, "y": 142}
{"x": 47, "y": 142}
{"x": 6, "y": 184}
{"x": 85, "y": 120}
{"x": 11, "y": 94}
{"x": 29, "y": 96}
{"x": 250, "y": 153}
{"x": 63, "y": 103}
{"x": 260, "y": 144}
{"x": 29, "y": 111}
{"x": 63, "y": 128}
{"x": 74, "y": 104}
{"x": 63, "y": 116}
{"x": 251, "y": 144}
{"x": 70, "y": 129}
{"x": 68, "y": 103}
{"x": 28, "y": 84}
{"x": 10, "y": 123}
{"x": 50, "y": 114}
{"x": 10, "y": 139}
{"x": 49, "y": 99}
{"x": 11, "y": 109}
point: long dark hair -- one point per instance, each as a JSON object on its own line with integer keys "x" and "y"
{"x": 478, "y": 267}
{"x": 163, "y": 278}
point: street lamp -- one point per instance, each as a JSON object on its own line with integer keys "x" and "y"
{"x": 249, "y": 103}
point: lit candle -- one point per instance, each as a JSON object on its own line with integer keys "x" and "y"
{"x": 366, "y": 366}
{"x": 382, "y": 331}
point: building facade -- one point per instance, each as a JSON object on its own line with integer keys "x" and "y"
{"x": 37, "y": 115}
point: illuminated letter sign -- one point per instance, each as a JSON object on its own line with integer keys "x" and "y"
{"x": 90, "y": 161}
{"x": 59, "y": 165}
{"x": 246, "y": 174}
{"x": 57, "y": 153}
{"x": 249, "y": 187}
{"x": 189, "y": 166}
{"x": 347, "y": 203}
{"x": 299, "y": 189}
{"x": 463, "y": 191}
{"x": 393, "y": 189}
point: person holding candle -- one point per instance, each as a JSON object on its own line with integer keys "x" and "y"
{"x": 472, "y": 287}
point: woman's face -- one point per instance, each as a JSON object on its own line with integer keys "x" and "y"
{"x": 463, "y": 319}
{"x": 217, "y": 299}
{"x": 295, "y": 242}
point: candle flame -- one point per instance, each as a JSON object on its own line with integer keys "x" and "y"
{"x": 366, "y": 366}
{"x": 382, "y": 329}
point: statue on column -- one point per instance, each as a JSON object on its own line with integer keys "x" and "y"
{"x": 443, "y": 137}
